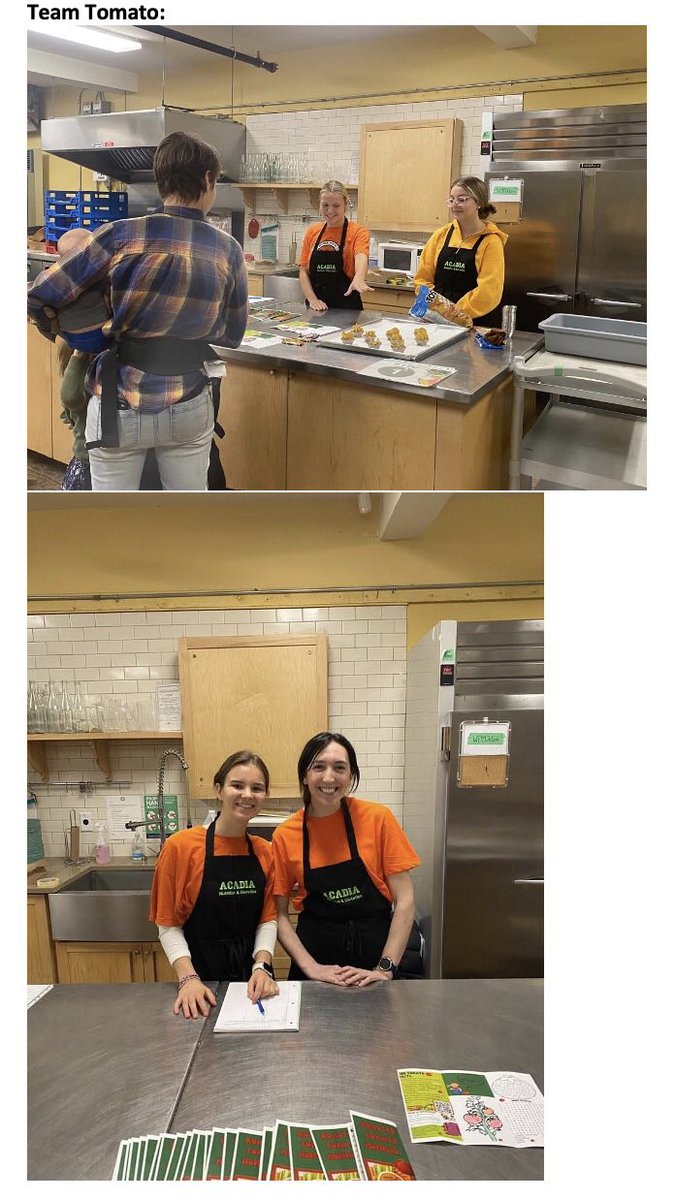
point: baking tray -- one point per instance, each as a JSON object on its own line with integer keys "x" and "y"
{"x": 596, "y": 337}
{"x": 440, "y": 336}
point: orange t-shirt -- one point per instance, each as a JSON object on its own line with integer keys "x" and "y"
{"x": 180, "y": 868}
{"x": 357, "y": 241}
{"x": 380, "y": 841}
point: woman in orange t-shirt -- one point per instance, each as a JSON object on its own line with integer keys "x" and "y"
{"x": 212, "y": 894}
{"x": 334, "y": 256}
{"x": 351, "y": 862}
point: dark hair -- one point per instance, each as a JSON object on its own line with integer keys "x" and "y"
{"x": 313, "y": 749}
{"x": 181, "y": 161}
{"x": 478, "y": 189}
{"x": 243, "y": 758}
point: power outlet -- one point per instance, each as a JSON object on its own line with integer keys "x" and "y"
{"x": 86, "y": 822}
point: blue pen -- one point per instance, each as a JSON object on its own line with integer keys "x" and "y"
{"x": 259, "y": 1003}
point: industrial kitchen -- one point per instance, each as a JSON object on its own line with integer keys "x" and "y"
{"x": 447, "y": 292}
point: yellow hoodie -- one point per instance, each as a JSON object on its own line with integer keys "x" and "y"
{"x": 489, "y": 265}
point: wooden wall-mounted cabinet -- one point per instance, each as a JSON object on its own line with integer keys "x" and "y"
{"x": 406, "y": 172}
{"x": 266, "y": 694}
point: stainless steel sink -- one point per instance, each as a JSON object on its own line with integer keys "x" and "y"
{"x": 104, "y": 906}
{"x": 137, "y": 879}
{"x": 284, "y": 285}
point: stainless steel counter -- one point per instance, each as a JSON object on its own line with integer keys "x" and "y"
{"x": 476, "y": 371}
{"x": 108, "y": 1062}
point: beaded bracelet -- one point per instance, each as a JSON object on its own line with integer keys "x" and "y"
{"x": 186, "y": 979}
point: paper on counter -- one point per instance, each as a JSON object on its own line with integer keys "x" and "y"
{"x": 238, "y": 1015}
{"x": 397, "y": 370}
{"x": 299, "y": 325}
{"x": 36, "y": 991}
{"x": 257, "y": 339}
{"x": 472, "y": 1108}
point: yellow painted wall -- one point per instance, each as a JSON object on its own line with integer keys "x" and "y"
{"x": 423, "y": 617}
{"x": 566, "y": 68}
{"x": 252, "y": 543}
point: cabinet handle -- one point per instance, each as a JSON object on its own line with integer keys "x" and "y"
{"x": 272, "y": 372}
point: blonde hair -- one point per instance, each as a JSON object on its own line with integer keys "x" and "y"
{"x": 334, "y": 185}
{"x": 478, "y": 189}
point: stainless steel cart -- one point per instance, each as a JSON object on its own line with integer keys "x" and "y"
{"x": 592, "y": 433}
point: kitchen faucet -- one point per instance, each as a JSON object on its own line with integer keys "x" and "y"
{"x": 160, "y": 796}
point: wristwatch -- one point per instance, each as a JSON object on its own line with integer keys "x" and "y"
{"x": 263, "y": 966}
{"x": 386, "y": 964}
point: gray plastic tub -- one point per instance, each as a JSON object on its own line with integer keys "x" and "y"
{"x": 596, "y": 337}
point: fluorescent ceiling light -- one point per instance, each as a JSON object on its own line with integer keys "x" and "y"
{"x": 86, "y": 35}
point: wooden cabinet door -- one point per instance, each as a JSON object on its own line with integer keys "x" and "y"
{"x": 266, "y": 694}
{"x": 62, "y": 436}
{"x": 39, "y": 399}
{"x": 254, "y": 415}
{"x": 156, "y": 966}
{"x": 361, "y": 438}
{"x": 100, "y": 962}
{"x": 405, "y": 174}
{"x": 256, "y": 284}
{"x": 41, "y": 961}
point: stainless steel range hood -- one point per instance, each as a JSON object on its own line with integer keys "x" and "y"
{"x": 122, "y": 145}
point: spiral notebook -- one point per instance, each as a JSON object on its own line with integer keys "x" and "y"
{"x": 238, "y": 1015}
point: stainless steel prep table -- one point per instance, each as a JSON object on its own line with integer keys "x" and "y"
{"x": 476, "y": 371}
{"x": 109, "y": 1062}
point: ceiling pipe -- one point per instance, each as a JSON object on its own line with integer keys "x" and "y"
{"x": 225, "y": 51}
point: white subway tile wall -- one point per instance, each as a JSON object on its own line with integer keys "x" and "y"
{"x": 334, "y": 135}
{"x": 129, "y": 653}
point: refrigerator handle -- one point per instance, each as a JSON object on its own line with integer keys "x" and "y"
{"x": 539, "y": 881}
{"x": 446, "y": 731}
{"x": 549, "y": 295}
{"x": 614, "y": 303}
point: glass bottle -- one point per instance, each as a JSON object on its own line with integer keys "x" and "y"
{"x": 52, "y": 710}
{"x": 65, "y": 711}
{"x": 79, "y": 712}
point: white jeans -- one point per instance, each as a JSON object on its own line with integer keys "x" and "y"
{"x": 180, "y": 435}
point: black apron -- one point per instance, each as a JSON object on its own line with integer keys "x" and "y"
{"x": 345, "y": 918}
{"x": 327, "y": 274}
{"x": 457, "y": 274}
{"x": 220, "y": 930}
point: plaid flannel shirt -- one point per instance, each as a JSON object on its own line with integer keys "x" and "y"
{"x": 169, "y": 274}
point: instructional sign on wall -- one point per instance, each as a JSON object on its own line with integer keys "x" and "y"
{"x": 151, "y": 804}
{"x": 168, "y": 706}
{"x": 120, "y": 810}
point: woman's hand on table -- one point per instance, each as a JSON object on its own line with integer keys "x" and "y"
{"x": 322, "y": 973}
{"x": 360, "y": 977}
{"x": 261, "y": 986}
{"x": 317, "y": 305}
{"x": 195, "y": 999}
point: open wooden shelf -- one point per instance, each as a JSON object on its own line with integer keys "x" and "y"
{"x": 281, "y": 191}
{"x": 100, "y": 739}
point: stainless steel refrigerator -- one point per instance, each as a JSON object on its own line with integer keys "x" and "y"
{"x": 480, "y": 888}
{"x": 579, "y": 242}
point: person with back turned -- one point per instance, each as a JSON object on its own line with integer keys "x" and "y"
{"x": 176, "y": 284}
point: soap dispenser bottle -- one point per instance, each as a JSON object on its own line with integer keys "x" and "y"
{"x": 102, "y": 852}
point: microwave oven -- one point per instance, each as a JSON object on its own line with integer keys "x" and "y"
{"x": 399, "y": 256}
